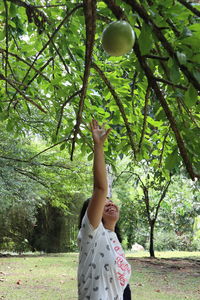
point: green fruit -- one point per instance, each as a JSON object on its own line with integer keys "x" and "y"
{"x": 118, "y": 38}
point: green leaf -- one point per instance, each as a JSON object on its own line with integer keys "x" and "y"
{"x": 153, "y": 122}
{"x": 181, "y": 58}
{"x": 13, "y": 10}
{"x": 145, "y": 39}
{"x": 195, "y": 27}
{"x": 196, "y": 58}
{"x": 190, "y": 96}
{"x": 90, "y": 156}
{"x": 54, "y": 138}
{"x": 10, "y": 125}
{"x": 196, "y": 75}
{"x": 4, "y": 116}
{"x": 193, "y": 41}
{"x": 174, "y": 73}
{"x": 2, "y": 7}
{"x": 12, "y": 24}
{"x": 62, "y": 147}
{"x": 156, "y": 152}
{"x": 101, "y": 4}
{"x": 2, "y": 35}
{"x": 172, "y": 160}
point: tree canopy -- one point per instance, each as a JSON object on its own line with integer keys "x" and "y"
{"x": 55, "y": 77}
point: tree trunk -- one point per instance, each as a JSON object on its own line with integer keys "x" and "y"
{"x": 151, "y": 247}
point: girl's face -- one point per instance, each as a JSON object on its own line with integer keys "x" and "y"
{"x": 111, "y": 212}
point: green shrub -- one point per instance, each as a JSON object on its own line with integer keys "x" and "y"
{"x": 195, "y": 245}
{"x": 169, "y": 240}
{"x": 19, "y": 246}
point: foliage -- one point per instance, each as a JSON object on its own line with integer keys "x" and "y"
{"x": 55, "y": 76}
{"x": 27, "y": 187}
{"x": 169, "y": 240}
{"x": 181, "y": 206}
{"x": 55, "y": 230}
{"x": 175, "y": 213}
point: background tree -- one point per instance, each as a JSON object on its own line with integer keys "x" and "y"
{"x": 40, "y": 198}
{"x": 157, "y": 212}
{"x": 152, "y": 188}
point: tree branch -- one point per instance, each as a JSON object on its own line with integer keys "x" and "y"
{"x": 145, "y": 117}
{"x": 50, "y": 5}
{"x": 167, "y": 81}
{"x": 159, "y": 94}
{"x": 49, "y": 41}
{"x": 52, "y": 146}
{"x": 116, "y": 10}
{"x": 162, "y": 150}
{"x": 26, "y": 62}
{"x": 167, "y": 110}
{"x": 58, "y": 53}
{"x": 133, "y": 83}
{"x": 31, "y": 176}
{"x": 119, "y": 104}
{"x": 90, "y": 23}
{"x": 179, "y": 86}
{"x": 190, "y": 7}
{"x": 2, "y": 77}
{"x": 146, "y": 197}
{"x": 144, "y": 15}
{"x": 33, "y": 13}
{"x": 34, "y": 163}
{"x": 162, "y": 197}
{"x": 40, "y": 70}
{"x": 6, "y": 58}
{"x": 63, "y": 106}
{"x": 156, "y": 57}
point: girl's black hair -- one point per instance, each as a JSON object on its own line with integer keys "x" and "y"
{"x": 82, "y": 213}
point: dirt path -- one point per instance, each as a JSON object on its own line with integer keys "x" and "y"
{"x": 188, "y": 266}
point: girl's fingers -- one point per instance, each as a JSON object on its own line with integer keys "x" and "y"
{"x": 93, "y": 124}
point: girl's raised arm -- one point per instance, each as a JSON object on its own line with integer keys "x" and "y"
{"x": 100, "y": 189}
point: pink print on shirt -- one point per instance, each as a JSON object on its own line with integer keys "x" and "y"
{"x": 122, "y": 264}
{"x": 121, "y": 278}
{"x": 119, "y": 251}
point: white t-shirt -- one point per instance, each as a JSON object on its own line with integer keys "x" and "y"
{"x": 103, "y": 271}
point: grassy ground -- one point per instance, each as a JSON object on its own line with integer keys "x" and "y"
{"x": 172, "y": 276}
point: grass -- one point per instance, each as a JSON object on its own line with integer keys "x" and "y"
{"x": 172, "y": 276}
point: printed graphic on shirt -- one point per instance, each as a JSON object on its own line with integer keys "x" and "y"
{"x": 124, "y": 268}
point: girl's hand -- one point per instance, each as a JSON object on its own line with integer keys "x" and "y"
{"x": 99, "y": 134}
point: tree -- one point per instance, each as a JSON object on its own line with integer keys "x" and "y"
{"x": 151, "y": 189}
{"x": 55, "y": 76}
{"x": 180, "y": 209}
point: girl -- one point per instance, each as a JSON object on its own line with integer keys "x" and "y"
{"x": 103, "y": 271}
